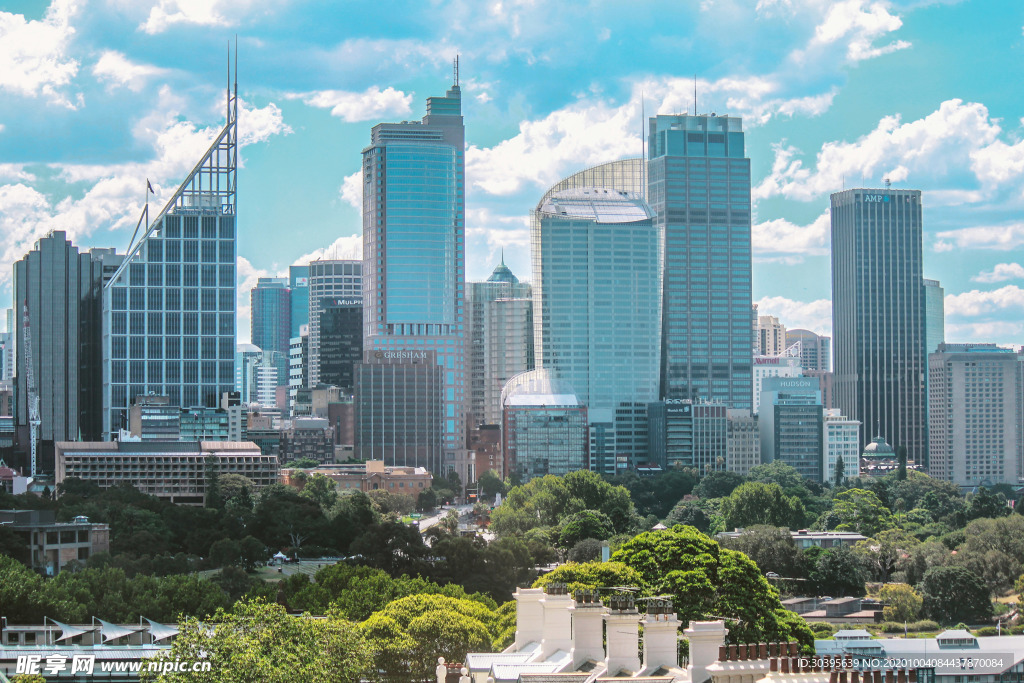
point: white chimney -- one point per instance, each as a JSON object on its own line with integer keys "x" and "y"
{"x": 661, "y": 636}
{"x": 623, "y": 636}
{"x": 529, "y": 617}
{"x": 705, "y": 638}
{"x": 587, "y": 628}
{"x": 557, "y": 620}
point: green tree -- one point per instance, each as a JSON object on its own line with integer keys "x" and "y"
{"x": 986, "y": 504}
{"x": 13, "y": 545}
{"x": 882, "y": 554}
{"x": 705, "y": 579}
{"x": 840, "y": 472}
{"x": 225, "y": 553}
{"x": 690, "y": 513}
{"x": 392, "y": 546}
{"x": 759, "y": 503}
{"x": 232, "y": 485}
{"x": 838, "y": 572}
{"x": 584, "y": 575}
{"x": 656, "y": 495}
{"x": 901, "y": 458}
{"x": 902, "y": 602}
{"x": 955, "y": 594}
{"x": 718, "y": 484}
{"x": 490, "y": 484}
{"x": 320, "y": 489}
{"x": 426, "y": 500}
{"x": 857, "y": 510}
{"x": 584, "y": 524}
{"x": 260, "y": 642}
{"x": 213, "y": 498}
{"x": 771, "y": 548}
{"x": 408, "y": 634}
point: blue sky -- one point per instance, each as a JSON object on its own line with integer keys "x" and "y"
{"x": 96, "y": 96}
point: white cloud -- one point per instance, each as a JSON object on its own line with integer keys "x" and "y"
{"x": 373, "y": 103}
{"x": 167, "y": 13}
{"x": 15, "y": 172}
{"x": 33, "y": 54}
{"x": 1001, "y": 332}
{"x": 978, "y": 303}
{"x": 1001, "y": 273}
{"x": 116, "y": 69}
{"x": 858, "y": 24}
{"x": 258, "y": 124}
{"x": 945, "y": 139}
{"x": 996, "y": 237}
{"x": 781, "y": 236}
{"x": 351, "y": 191}
{"x": 815, "y": 316}
{"x": 350, "y": 247}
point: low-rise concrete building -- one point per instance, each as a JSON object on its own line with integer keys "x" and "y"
{"x": 51, "y": 545}
{"x": 372, "y": 475}
{"x": 174, "y": 471}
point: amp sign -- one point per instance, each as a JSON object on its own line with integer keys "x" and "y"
{"x": 876, "y": 198}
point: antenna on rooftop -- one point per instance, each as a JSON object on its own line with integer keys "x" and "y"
{"x": 887, "y": 183}
{"x": 456, "y": 69}
{"x": 694, "y": 94}
{"x": 643, "y": 146}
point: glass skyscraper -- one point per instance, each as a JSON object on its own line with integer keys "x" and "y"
{"x": 878, "y": 314}
{"x": 270, "y": 306}
{"x": 414, "y": 248}
{"x": 596, "y": 263}
{"x": 699, "y": 189}
{"x": 328, "y": 281}
{"x": 169, "y": 309}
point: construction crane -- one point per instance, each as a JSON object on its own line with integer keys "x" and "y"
{"x": 30, "y": 384}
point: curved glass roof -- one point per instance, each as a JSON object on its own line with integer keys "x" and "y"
{"x": 602, "y": 205}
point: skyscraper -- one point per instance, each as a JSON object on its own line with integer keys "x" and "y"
{"x": 341, "y": 341}
{"x": 169, "y": 309}
{"x": 791, "y": 422}
{"x": 61, "y": 288}
{"x": 596, "y": 257}
{"x": 329, "y": 281}
{"x": 815, "y": 349}
{"x": 699, "y": 189}
{"x": 975, "y": 415}
{"x": 499, "y": 317}
{"x": 934, "y": 316}
{"x": 771, "y": 336}
{"x": 298, "y": 283}
{"x": 414, "y": 249}
{"x": 271, "y": 316}
{"x": 878, "y": 314}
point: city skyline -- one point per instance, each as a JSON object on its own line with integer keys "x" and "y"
{"x": 126, "y": 98}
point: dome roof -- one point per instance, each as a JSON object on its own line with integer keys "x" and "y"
{"x": 879, "y": 446}
{"x": 502, "y": 273}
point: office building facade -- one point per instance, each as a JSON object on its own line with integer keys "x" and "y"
{"x": 499, "y": 314}
{"x": 687, "y": 433}
{"x": 791, "y": 424}
{"x": 329, "y": 281}
{"x": 169, "y": 309}
{"x": 341, "y": 341}
{"x": 699, "y": 189}
{"x": 772, "y": 366}
{"x": 270, "y": 311}
{"x": 298, "y": 283}
{"x": 400, "y": 409}
{"x": 414, "y": 250}
{"x": 934, "y": 315}
{"x": 743, "y": 441}
{"x": 770, "y": 337}
{"x": 597, "y": 297}
{"x": 298, "y": 365}
{"x": 60, "y": 287}
{"x": 878, "y": 313}
{"x": 975, "y": 415}
{"x": 544, "y": 426}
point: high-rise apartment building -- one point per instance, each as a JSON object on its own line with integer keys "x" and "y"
{"x": 270, "y": 306}
{"x": 499, "y": 317}
{"x": 792, "y": 425}
{"x": 815, "y": 350}
{"x": 414, "y": 250}
{"x": 61, "y": 289}
{"x": 934, "y": 316}
{"x": 699, "y": 189}
{"x": 329, "y": 281}
{"x": 169, "y": 309}
{"x": 771, "y": 336}
{"x": 841, "y": 442}
{"x": 878, "y": 313}
{"x": 597, "y": 299}
{"x": 298, "y": 364}
{"x": 298, "y": 283}
{"x": 975, "y": 415}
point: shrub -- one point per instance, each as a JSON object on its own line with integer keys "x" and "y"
{"x": 822, "y": 629}
{"x": 987, "y": 631}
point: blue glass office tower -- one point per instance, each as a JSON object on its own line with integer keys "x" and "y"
{"x": 414, "y": 248}
{"x": 169, "y": 309}
{"x": 298, "y": 282}
{"x": 699, "y": 190}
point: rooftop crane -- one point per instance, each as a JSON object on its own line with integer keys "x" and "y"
{"x": 30, "y": 384}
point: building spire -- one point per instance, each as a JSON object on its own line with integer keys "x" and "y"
{"x": 503, "y": 256}
{"x": 456, "y": 64}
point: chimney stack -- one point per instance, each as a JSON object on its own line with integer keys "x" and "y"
{"x": 529, "y": 617}
{"x": 557, "y": 633}
{"x": 661, "y": 635}
{"x": 705, "y": 638}
{"x": 622, "y": 635}
{"x": 587, "y": 627}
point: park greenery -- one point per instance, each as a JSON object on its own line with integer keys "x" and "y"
{"x": 401, "y": 595}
